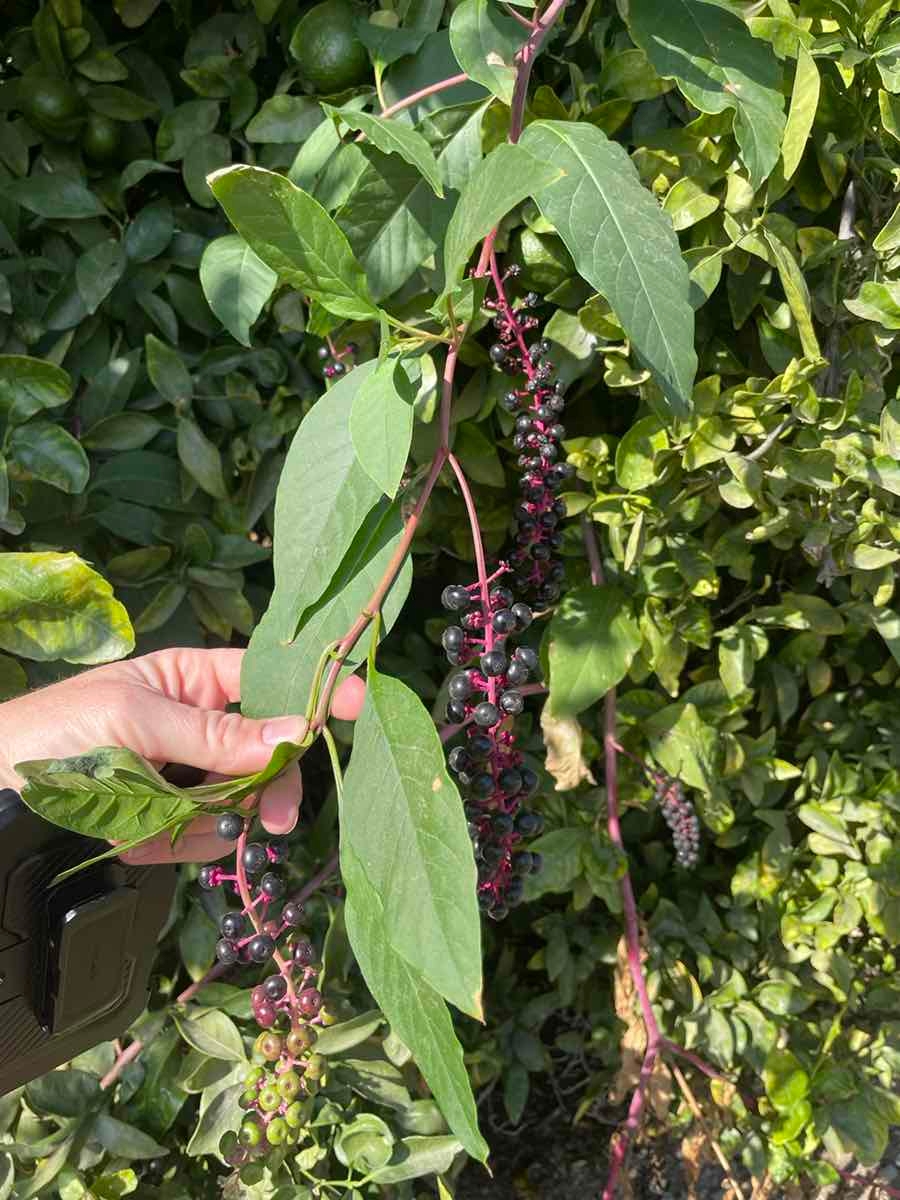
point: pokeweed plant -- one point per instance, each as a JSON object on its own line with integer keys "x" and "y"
{"x": 506, "y": 238}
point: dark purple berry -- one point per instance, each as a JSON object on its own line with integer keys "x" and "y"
{"x": 503, "y": 621}
{"x": 233, "y": 925}
{"x": 529, "y": 824}
{"x": 456, "y": 712}
{"x": 502, "y": 824}
{"x": 501, "y": 597}
{"x": 458, "y": 759}
{"x": 261, "y": 947}
{"x": 303, "y": 953}
{"x": 494, "y": 663}
{"x": 512, "y": 702}
{"x": 206, "y": 877}
{"x": 482, "y": 785}
{"x": 323, "y": 352}
{"x": 486, "y": 714}
{"x": 460, "y": 686}
{"x": 226, "y": 952}
{"x": 275, "y": 987}
{"x": 530, "y": 781}
{"x": 453, "y": 639}
{"x": 479, "y": 746}
{"x": 528, "y": 657}
{"x": 517, "y": 673}
{"x": 309, "y": 1002}
{"x": 522, "y": 862}
{"x": 523, "y": 615}
{"x": 254, "y": 858}
{"x": 510, "y": 781}
{"x": 537, "y": 862}
{"x": 455, "y": 598}
{"x": 498, "y": 353}
{"x": 338, "y": 368}
{"x": 229, "y": 827}
{"x": 272, "y": 885}
{"x": 292, "y": 914}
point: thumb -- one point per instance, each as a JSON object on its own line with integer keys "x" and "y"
{"x": 209, "y": 739}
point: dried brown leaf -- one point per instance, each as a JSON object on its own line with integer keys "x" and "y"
{"x": 563, "y": 737}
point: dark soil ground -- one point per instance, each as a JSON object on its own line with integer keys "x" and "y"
{"x": 549, "y": 1158}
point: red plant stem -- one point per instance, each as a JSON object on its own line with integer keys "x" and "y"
{"x": 529, "y": 52}
{"x": 214, "y": 972}
{"x": 622, "y": 1142}
{"x": 124, "y": 1057}
{"x": 695, "y": 1060}
{"x": 408, "y": 101}
{"x": 872, "y": 1183}
{"x": 246, "y": 899}
{"x": 480, "y": 565}
{"x": 320, "y": 878}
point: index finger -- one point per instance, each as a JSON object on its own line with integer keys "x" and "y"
{"x": 207, "y": 679}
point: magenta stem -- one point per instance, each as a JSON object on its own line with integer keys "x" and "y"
{"x": 622, "y": 1142}
{"x": 529, "y": 52}
{"x": 480, "y": 564}
{"x": 872, "y": 1183}
{"x": 441, "y": 86}
{"x": 125, "y": 1057}
{"x": 246, "y": 899}
{"x": 320, "y": 878}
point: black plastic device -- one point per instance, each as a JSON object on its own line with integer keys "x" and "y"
{"x": 75, "y": 957}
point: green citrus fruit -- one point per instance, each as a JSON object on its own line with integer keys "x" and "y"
{"x": 52, "y": 107}
{"x": 100, "y": 140}
{"x": 330, "y": 55}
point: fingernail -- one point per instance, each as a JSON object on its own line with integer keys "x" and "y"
{"x": 284, "y": 729}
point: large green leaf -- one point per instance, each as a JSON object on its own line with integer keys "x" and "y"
{"x": 201, "y": 458}
{"x": 295, "y": 237}
{"x": 55, "y": 196}
{"x": 50, "y": 453}
{"x": 237, "y": 284}
{"x": 485, "y": 42}
{"x": 402, "y": 818}
{"x": 622, "y": 244}
{"x": 277, "y": 671}
{"x": 28, "y": 385}
{"x": 591, "y": 641}
{"x": 393, "y": 138}
{"x": 498, "y": 184}
{"x": 381, "y": 424}
{"x": 717, "y": 64}
{"x": 417, "y": 1014}
{"x": 323, "y": 498}
{"x": 54, "y": 606}
{"x": 110, "y": 794}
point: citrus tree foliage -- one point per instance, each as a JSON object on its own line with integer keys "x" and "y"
{"x": 243, "y": 294}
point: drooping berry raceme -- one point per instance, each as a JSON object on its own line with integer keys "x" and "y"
{"x": 335, "y": 361}
{"x": 537, "y": 399}
{"x": 286, "y": 1005}
{"x": 679, "y": 814}
{"x": 490, "y": 771}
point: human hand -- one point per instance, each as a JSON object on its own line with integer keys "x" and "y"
{"x": 169, "y": 708}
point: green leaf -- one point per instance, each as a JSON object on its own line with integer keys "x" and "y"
{"x": 55, "y": 196}
{"x": 167, "y": 372}
{"x": 636, "y": 452}
{"x": 323, "y": 498}
{"x": 402, "y": 818}
{"x": 485, "y": 43}
{"x": 7, "y": 1175}
{"x": 591, "y": 641}
{"x": 98, "y": 271}
{"x": 717, "y": 64}
{"x": 417, "y": 1014}
{"x": 418, "y": 1156}
{"x": 802, "y": 112}
{"x": 284, "y": 119}
{"x": 125, "y": 1141}
{"x": 336, "y": 1039}
{"x": 278, "y": 669}
{"x": 622, "y": 245}
{"x": 498, "y": 184}
{"x": 120, "y": 104}
{"x": 785, "y": 1080}
{"x": 109, "y": 793}
{"x": 392, "y": 138}
{"x": 50, "y": 453}
{"x": 220, "y": 1113}
{"x": 213, "y": 1034}
{"x": 200, "y": 458}
{"x": 182, "y": 126}
{"x": 123, "y": 431}
{"x": 28, "y": 385}
{"x": 54, "y": 606}
{"x": 797, "y": 293}
{"x": 364, "y": 1144}
{"x": 69, "y": 1093}
{"x": 295, "y": 237}
{"x": 237, "y": 284}
{"x": 381, "y": 424}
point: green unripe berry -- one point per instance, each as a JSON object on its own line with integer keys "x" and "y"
{"x": 300, "y": 1040}
{"x": 228, "y": 1143}
{"x": 289, "y": 1085}
{"x": 269, "y": 1099}
{"x": 294, "y": 1115}
{"x": 315, "y": 1067}
{"x": 250, "y": 1134}
{"x": 326, "y": 1016}
{"x": 268, "y": 1046}
{"x": 253, "y": 1077}
{"x": 248, "y": 1098}
{"x": 277, "y": 1131}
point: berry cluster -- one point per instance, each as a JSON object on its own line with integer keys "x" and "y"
{"x": 333, "y": 360}
{"x": 490, "y": 771}
{"x": 538, "y": 403}
{"x": 287, "y": 1006}
{"x": 679, "y": 815}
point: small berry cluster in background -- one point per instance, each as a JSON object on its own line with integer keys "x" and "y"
{"x": 678, "y": 813}
{"x": 538, "y": 403}
{"x": 491, "y": 773}
{"x": 287, "y": 1005}
{"x": 335, "y": 361}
